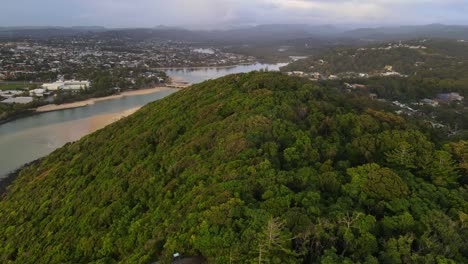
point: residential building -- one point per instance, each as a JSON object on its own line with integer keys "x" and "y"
{"x": 429, "y": 102}
{"x": 66, "y": 85}
{"x": 450, "y": 97}
{"x": 18, "y": 100}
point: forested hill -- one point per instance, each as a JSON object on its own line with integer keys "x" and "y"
{"x": 256, "y": 167}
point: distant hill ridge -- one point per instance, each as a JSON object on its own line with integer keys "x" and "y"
{"x": 255, "y": 33}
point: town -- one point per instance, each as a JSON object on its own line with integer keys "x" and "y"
{"x": 36, "y": 60}
{"x": 67, "y": 69}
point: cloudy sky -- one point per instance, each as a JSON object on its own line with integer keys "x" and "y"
{"x": 227, "y": 13}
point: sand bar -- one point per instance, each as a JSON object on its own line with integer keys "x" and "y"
{"x": 100, "y": 121}
{"x": 54, "y": 107}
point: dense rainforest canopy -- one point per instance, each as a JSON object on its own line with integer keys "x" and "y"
{"x": 256, "y": 167}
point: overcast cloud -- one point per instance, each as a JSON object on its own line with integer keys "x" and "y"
{"x": 226, "y": 13}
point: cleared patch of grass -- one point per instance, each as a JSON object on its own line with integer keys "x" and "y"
{"x": 12, "y": 86}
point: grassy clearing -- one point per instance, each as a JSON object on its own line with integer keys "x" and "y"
{"x": 16, "y": 86}
{"x": 12, "y": 86}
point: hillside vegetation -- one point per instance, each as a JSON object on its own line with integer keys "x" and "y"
{"x": 256, "y": 167}
{"x": 440, "y": 59}
{"x": 420, "y": 69}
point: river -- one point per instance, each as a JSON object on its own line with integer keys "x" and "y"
{"x": 197, "y": 75}
{"x": 27, "y": 139}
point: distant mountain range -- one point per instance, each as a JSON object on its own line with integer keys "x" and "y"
{"x": 410, "y": 32}
{"x": 261, "y": 33}
{"x": 45, "y": 32}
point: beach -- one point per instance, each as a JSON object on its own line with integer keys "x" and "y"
{"x": 54, "y": 107}
{"x": 100, "y": 121}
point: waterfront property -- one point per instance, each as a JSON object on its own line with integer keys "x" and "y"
{"x": 18, "y": 100}
{"x": 10, "y": 93}
{"x": 71, "y": 85}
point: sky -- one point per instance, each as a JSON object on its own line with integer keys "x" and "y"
{"x": 211, "y": 14}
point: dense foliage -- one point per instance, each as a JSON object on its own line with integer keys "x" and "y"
{"x": 430, "y": 67}
{"x": 254, "y": 167}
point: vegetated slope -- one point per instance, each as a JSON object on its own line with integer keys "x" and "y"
{"x": 434, "y": 58}
{"x": 355, "y": 60}
{"x": 251, "y": 167}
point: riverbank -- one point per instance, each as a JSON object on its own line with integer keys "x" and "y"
{"x": 54, "y": 107}
{"x": 11, "y": 177}
{"x": 203, "y": 67}
{"x": 36, "y": 136}
{"x": 100, "y": 121}
{"x": 80, "y": 129}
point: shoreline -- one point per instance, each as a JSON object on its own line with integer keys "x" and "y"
{"x": 11, "y": 177}
{"x": 205, "y": 67}
{"x": 91, "y": 101}
{"x": 95, "y": 123}
{"x": 219, "y": 67}
{"x": 100, "y": 121}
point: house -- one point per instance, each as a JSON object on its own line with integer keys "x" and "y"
{"x": 10, "y": 93}
{"x": 315, "y": 75}
{"x": 388, "y": 68}
{"x": 450, "y": 97}
{"x": 298, "y": 73}
{"x": 358, "y": 86}
{"x": 38, "y": 92}
{"x": 18, "y": 100}
{"x": 429, "y": 102}
{"x": 363, "y": 75}
{"x": 391, "y": 73}
{"x": 437, "y": 125}
{"x": 332, "y": 77}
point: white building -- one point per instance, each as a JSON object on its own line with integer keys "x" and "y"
{"x": 298, "y": 73}
{"x": 37, "y": 92}
{"x": 18, "y": 100}
{"x": 66, "y": 85}
{"x": 429, "y": 102}
{"x": 391, "y": 73}
{"x": 10, "y": 93}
